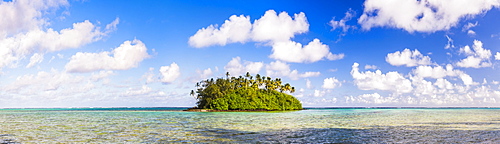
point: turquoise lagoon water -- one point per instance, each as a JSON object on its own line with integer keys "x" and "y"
{"x": 171, "y": 125}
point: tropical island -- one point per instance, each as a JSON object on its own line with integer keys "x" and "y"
{"x": 244, "y": 93}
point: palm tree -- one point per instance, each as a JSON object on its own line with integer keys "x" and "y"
{"x": 248, "y": 75}
{"x": 192, "y": 94}
{"x": 278, "y": 83}
{"x": 287, "y": 87}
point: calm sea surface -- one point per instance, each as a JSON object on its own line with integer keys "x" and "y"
{"x": 160, "y": 125}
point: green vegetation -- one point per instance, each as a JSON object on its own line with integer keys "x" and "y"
{"x": 245, "y": 93}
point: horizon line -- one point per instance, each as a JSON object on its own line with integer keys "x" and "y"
{"x": 312, "y": 107}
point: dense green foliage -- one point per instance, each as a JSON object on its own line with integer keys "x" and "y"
{"x": 245, "y": 93}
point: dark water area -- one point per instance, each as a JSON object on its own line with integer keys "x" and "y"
{"x": 314, "y": 125}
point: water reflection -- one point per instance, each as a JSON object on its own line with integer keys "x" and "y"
{"x": 309, "y": 126}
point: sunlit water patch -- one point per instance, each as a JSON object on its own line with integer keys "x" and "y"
{"x": 307, "y": 126}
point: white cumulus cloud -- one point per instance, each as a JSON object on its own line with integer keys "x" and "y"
{"x": 169, "y": 73}
{"x": 392, "y": 81}
{"x": 331, "y": 83}
{"x": 127, "y": 55}
{"x": 236, "y": 29}
{"x": 477, "y": 57}
{"x": 421, "y": 16}
{"x": 408, "y": 58}
{"x": 436, "y": 72}
{"x": 282, "y": 27}
{"x": 272, "y": 29}
{"x": 291, "y": 51}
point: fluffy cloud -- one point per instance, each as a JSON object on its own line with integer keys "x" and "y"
{"x": 477, "y": 57}
{"x": 17, "y": 47}
{"x": 24, "y": 31}
{"x": 497, "y": 56}
{"x": 291, "y": 51}
{"x": 24, "y": 15}
{"x": 282, "y": 27}
{"x": 236, "y": 29}
{"x": 422, "y": 86}
{"x": 417, "y": 89}
{"x": 127, "y": 55}
{"x": 235, "y": 67}
{"x": 169, "y": 73}
{"x": 408, "y": 58}
{"x": 436, "y": 72}
{"x": 278, "y": 68}
{"x": 391, "y": 81}
{"x": 331, "y": 83}
{"x": 441, "y": 85}
{"x": 439, "y": 72}
{"x": 273, "y": 29}
{"x": 420, "y": 16}
{"x": 467, "y": 79}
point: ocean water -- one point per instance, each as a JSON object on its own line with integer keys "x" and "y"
{"x": 171, "y": 125}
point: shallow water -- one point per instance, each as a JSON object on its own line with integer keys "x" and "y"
{"x": 103, "y": 125}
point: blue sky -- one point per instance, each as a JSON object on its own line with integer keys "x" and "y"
{"x": 90, "y": 53}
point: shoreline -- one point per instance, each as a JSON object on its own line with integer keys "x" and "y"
{"x": 211, "y": 110}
